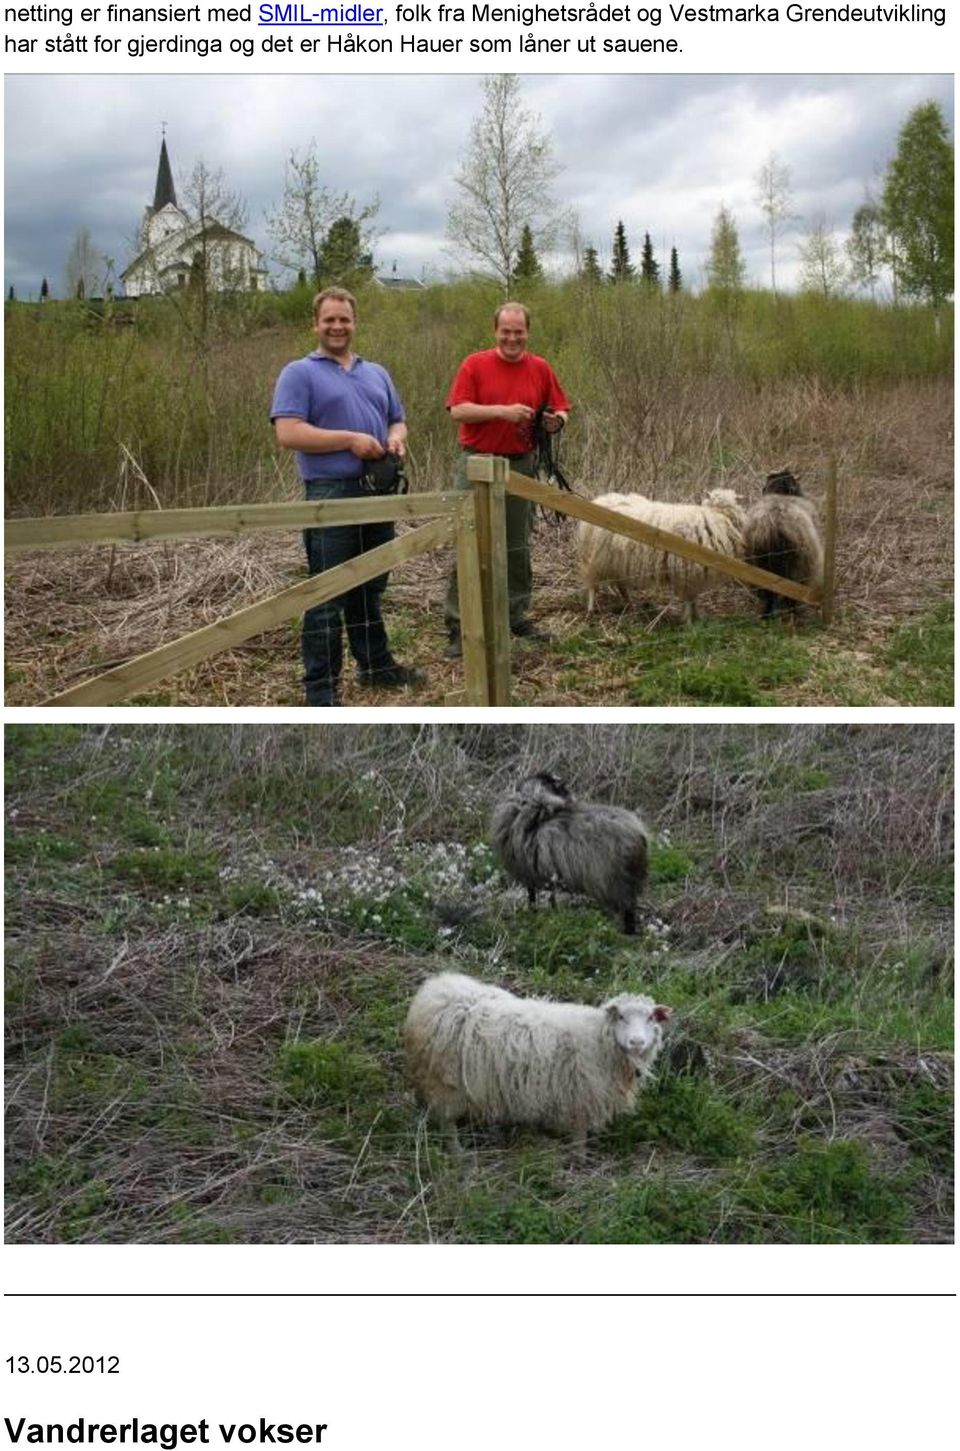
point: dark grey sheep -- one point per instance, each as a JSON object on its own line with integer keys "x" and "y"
{"x": 781, "y": 533}
{"x": 544, "y": 838}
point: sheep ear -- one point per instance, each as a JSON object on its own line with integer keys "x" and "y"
{"x": 613, "y": 1012}
{"x": 661, "y": 1014}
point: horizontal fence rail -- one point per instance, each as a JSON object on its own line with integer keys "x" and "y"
{"x": 67, "y": 531}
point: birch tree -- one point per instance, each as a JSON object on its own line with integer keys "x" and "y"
{"x": 505, "y": 183}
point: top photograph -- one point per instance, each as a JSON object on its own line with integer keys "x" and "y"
{"x": 597, "y": 390}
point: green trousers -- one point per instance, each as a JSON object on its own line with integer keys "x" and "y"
{"x": 519, "y": 518}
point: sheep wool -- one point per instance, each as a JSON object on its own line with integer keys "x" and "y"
{"x": 477, "y": 1051}
{"x": 626, "y": 564}
{"x": 782, "y": 534}
{"x": 545, "y": 838}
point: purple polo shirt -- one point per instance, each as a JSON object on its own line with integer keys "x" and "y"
{"x": 361, "y": 399}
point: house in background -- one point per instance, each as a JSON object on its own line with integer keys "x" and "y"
{"x": 173, "y": 247}
{"x": 399, "y": 284}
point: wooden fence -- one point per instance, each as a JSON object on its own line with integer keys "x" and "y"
{"x": 473, "y": 522}
{"x": 449, "y": 518}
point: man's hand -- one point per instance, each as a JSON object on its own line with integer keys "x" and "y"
{"x": 364, "y": 445}
{"x": 553, "y": 422}
{"x": 517, "y": 413}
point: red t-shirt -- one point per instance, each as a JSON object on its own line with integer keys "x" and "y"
{"x": 487, "y": 378}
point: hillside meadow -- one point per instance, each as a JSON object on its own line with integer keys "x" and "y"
{"x": 213, "y": 934}
{"x": 164, "y": 403}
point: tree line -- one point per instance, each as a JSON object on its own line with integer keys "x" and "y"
{"x": 506, "y": 215}
{"x": 505, "y": 219}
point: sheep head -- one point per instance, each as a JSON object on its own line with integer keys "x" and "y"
{"x": 725, "y": 501}
{"x": 546, "y": 789}
{"x": 637, "y": 1026}
{"x": 782, "y": 482}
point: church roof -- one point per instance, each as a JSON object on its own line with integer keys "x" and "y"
{"x": 188, "y": 237}
{"x": 164, "y": 194}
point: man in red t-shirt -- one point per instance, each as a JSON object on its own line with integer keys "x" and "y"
{"x": 495, "y": 398}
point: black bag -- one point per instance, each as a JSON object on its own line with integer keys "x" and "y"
{"x": 384, "y": 475}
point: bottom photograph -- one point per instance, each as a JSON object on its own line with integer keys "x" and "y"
{"x": 566, "y": 984}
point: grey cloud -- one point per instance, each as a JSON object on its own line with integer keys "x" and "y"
{"x": 660, "y": 152}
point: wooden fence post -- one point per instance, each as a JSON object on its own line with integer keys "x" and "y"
{"x": 470, "y": 593}
{"x": 488, "y": 479}
{"x": 829, "y": 542}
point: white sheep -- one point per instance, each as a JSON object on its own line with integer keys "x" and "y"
{"x": 476, "y": 1051}
{"x": 781, "y": 533}
{"x": 613, "y": 559}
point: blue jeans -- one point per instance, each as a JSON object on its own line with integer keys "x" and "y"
{"x": 321, "y": 640}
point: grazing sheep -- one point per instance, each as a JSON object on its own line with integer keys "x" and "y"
{"x": 605, "y": 558}
{"x": 782, "y": 534}
{"x": 476, "y": 1051}
{"x": 543, "y": 837}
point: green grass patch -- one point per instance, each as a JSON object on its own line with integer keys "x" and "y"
{"x": 402, "y": 917}
{"x": 251, "y": 899}
{"x": 41, "y": 847}
{"x": 714, "y": 662}
{"x": 165, "y": 868}
{"x": 920, "y": 659}
{"x": 924, "y": 1119}
{"x": 557, "y": 949}
{"x": 685, "y": 1113}
{"x": 825, "y": 1193}
{"x": 329, "y": 1074}
{"x": 669, "y": 863}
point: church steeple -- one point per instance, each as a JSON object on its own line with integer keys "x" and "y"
{"x": 164, "y": 194}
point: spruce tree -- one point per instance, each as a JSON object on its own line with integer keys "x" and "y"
{"x": 343, "y": 258}
{"x": 44, "y": 290}
{"x": 649, "y": 266}
{"x": 591, "y": 266}
{"x": 725, "y": 268}
{"x": 11, "y": 297}
{"x": 676, "y": 280}
{"x": 527, "y": 266}
{"x": 621, "y": 268}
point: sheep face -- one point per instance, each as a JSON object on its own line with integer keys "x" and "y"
{"x": 637, "y": 1025}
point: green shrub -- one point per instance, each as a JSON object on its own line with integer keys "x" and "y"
{"x": 330, "y": 1074}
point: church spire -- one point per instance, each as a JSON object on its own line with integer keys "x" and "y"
{"x": 164, "y": 194}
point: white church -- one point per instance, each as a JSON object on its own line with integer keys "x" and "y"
{"x": 172, "y": 246}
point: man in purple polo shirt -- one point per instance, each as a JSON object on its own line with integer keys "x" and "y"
{"x": 337, "y": 411}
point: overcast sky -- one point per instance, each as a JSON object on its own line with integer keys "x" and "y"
{"x": 660, "y": 152}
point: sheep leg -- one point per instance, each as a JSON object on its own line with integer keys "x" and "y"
{"x": 578, "y": 1145}
{"x": 532, "y": 898}
{"x": 454, "y": 1146}
{"x": 630, "y": 921}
